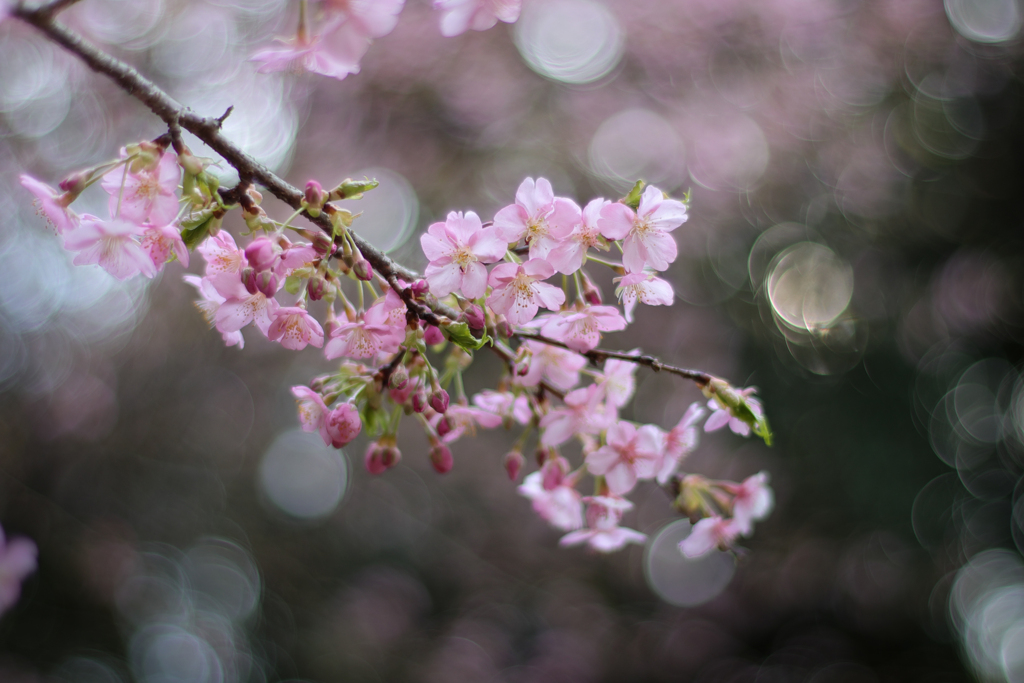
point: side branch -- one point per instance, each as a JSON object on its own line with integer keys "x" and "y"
{"x": 599, "y": 355}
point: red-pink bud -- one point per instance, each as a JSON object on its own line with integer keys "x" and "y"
{"x": 591, "y": 293}
{"x": 432, "y": 335}
{"x": 75, "y": 183}
{"x": 315, "y": 195}
{"x": 373, "y": 461}
{"x": 261, "y": 253}
{"x": 553, "y": 472}
{"x": 249, "y": 280}
{"x": 391, "y": 456}
{"x": 502, "y": 327}
{"x": 266, "y": 282}
{"x": 441, "y": 458}
{"x": 322, "y": 244}
{"x": 541, "y": 455}
{"x": 316, "y": 287}
{"x": 474, "y": 317}
{"x": 419, "y": 402}
{"x": 439, "y": 400}
{"x": 363, "y": 270}
{"x": 419, "y": 288}
{"x": 513, "y": 463}
{"x": 343, "y": 424}
{"x": 444, "y": 426}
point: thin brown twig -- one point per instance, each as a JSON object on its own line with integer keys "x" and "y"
{"x": 208, "y": 129}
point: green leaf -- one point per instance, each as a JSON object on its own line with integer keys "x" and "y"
{"x": 459, "y": 334}
{"x": 633, "y": 198}
{"x": 292, "y": 284}
{"x": 193, "y": 236}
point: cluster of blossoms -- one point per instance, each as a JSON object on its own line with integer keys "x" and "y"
{"x": 346, "y": 28}
{"x": 406, "y": 345}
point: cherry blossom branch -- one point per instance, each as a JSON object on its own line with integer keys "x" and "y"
{"x": 598, "y": 355}
{"x": 208, "y": 129}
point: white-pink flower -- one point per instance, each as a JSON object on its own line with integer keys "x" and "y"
{"x": 537, "y": 216}
{"x": 567, "y": 257}
{"x": 619, "y": 380}
{"x": 459, "y": 16}
{"x": 112, "y": 245}
{"x": 581, "y": 329}
{"x": 224, "y": 264}
{"x": 237, "y": 312}
{"x": 209, "y": 304}
{"x": 161, "y": 242}
{"x": 294, "y": 327}
{"x": 366, "y": 337}
{"x": 458, "y": 250}
{"x": 17, "y": 561}
{"x": 464, "y": 418}
{"x": 680, "y": 442}
{"x": 518, "y": 290}
{"x": 149, "y": 195}
{"x": 708, "y": 534}
{"x": 721, "y": 415}
{"x": 334, "y": 58}
{"x": 561, "y": 506}
{"x": 645, "y": 232}
{"x": 630, "y": 454}
{"x": 51, "y": 205}
{"x": 643, "y": 287}
{"x": 603, "y": 532}
{"x": 753, "y": 502}
{"x": 557, "y": 365}
{"x": 504, "y": 404}
{"x": 585, "y": 412}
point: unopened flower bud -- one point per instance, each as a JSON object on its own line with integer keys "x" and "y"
{"x": 75, "y": 183}
{"x": 265, "y": 282}
{"x": 342, "y": 424}
{"x": 541, "y": 455}
{"x": 513, "y": 463}
{"x": 432, "y": 335}
{"x": 381, "y": 457}
{"x": 439, "y": 400}
{"x": 399, "y": 378}
{"x": 444, "y": 426}
{"x": 419, "y": 288}
{"x": 322, "y": 244}
{"x": 553, "y": 472}
{"x": 591, "y": 293}
{"x": 419, "y": 402}
{"x": 441, "y": 458}
{"x": 191, "y": 163}
{"x": 363, "y": 270}
{"x": 502, "y": 327}
{"x": 474, "y": 317}
{"x": 146, "y": 156}
{"x": 316, "y": 288}
{"x": 261, "y": 253}
{"x": 314, "y": 198}
{"x": 249, "y": 280}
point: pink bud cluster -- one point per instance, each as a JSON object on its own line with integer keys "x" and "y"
{"x": 333, "y": 41}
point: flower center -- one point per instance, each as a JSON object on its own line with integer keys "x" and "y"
{"x": 536, "y": 228}
{"x": 463, "y": 256}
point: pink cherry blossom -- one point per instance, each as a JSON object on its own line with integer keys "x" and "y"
{"x": 149, "y": 195}
{"x": 581, "y": 329}
{"x": 603, "y": 532}
{"x": 333, "y": 58}
{"x": 645, "y": 288}
{"x": 647, "y": 242}
{"x": 630, "y": 454}
{"x": 52, "y": 205}
{"x": 294, "y": 327}
{"x": 754, "y": 501}
{"x": 112, "y": 246}
{"x": 209, "y": 304}
{"x": 619, "y": 380}
{"x": 558, "y": 366}
{"x": 159, "y": 243}
{"x": 708, "y": 534}
{"x": 457, "y": 250}
{"x": 464, "y": 419}
{"x": 237, "y": 312}
{"x": 680, "y": 441}
{"x": 721, "y": 415}
{"x": 224, "y": 263}
{"x": 504, "y": 404}
{"x": 17, "y": 561}
{"x": 459, "y": 16}
{"x": 585, "y": 412}
{"x": 561, "y": 507}
{"x": 518, "y": 290}
{"x": 537, "y": 216}
{"x": 567, "y": 257}
{"x": 365, "y": 338}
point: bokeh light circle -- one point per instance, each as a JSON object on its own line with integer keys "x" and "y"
{"x": 984, "y": 21}
{"x": 572, "y": 41}
{"x": 389, "y": 212}
{"x": 809, "y": 286}
{"x": 638, "y": 143}
{"x": 679, "y": 580}
{"x": 303, "y": 477}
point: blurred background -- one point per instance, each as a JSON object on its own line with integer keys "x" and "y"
{"x": 854, "y": 249}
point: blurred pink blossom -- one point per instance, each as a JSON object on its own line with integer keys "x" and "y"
{"x": 459, "y": 16}
{"x": 110, "y": 245}
{"x": 603, "y": 532}
{"x": 708, "y": 534}
{"x": 17, "y": 561}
